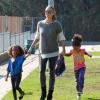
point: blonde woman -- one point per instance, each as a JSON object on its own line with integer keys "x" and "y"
{"x": 49, "y": 33}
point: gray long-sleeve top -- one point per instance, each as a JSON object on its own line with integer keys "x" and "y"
{"x": 49, "y": 34}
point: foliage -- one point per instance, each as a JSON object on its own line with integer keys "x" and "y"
{"x": 76, "y": 16}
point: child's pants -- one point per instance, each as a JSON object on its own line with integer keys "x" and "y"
{"x": 79, "y": 75}
{"x": 15, "y": 80}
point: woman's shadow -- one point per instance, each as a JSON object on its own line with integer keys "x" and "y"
{"x": 93, "y": 99}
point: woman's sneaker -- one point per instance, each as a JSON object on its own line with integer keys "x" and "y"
{"x": 21, "y": 96}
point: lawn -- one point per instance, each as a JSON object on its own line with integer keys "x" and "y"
{"x": 65, "y": 85}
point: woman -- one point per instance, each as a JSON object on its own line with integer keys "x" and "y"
{"x": 49, "y": 33}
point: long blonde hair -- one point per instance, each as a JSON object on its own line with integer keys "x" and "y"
{"x": 54, "y": 16}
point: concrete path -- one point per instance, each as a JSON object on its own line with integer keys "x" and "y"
{"x": 29, "y": 65}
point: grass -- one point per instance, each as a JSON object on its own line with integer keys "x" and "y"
{"x": 65, "y": 85}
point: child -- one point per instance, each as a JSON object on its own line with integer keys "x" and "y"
{"x": 79, "y": 62}
{"x": 60, "y": 66}
{"x": 16, "y": 60}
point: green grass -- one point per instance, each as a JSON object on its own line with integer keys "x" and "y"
{"x": 96, "y": 53}
{"x": 65, "y": 85}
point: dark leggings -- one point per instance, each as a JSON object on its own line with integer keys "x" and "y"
{"x": 15, "y": 80}
{"x": 52, "y": 62}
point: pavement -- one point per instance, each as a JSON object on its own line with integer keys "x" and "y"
{"x": 29, "y": 65}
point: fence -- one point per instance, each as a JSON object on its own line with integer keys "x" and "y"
{"x": 8, "y": 39}
{"x": 15, "y": 24}
{"x": 16, "y": 30}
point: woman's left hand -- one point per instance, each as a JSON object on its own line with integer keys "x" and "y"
{"x": 62, "y": 53}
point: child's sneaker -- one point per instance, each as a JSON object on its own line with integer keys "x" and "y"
{"x": 21, "y": 96}
{"x": 79, "y": 95}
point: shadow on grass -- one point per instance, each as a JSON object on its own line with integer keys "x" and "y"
{"x": 28, "y": 93}
{"x": 93, "y": 99}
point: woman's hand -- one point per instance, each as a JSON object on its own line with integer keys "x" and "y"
{"x": 63, "y": 53}
{"x": 29, "y": 51}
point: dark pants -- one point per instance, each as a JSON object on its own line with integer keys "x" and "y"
{"x": 52, "y": 62}
{"x": 15, "y": 80}
{"x": 79, "y": 75}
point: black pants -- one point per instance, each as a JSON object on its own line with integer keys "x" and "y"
{"x": 15, "y": 80}
{"x": 52, "y": 62}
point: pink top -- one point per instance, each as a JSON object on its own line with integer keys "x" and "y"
{"x": 78, "y": 57}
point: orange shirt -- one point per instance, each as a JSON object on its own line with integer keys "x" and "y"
{"x": 78, "y": 58}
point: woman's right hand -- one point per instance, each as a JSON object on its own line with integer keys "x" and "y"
{"x": 29, "y": 51}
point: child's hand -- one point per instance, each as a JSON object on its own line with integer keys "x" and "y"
{"x": 90, "y": 55}
{"x": 6, "y": 79}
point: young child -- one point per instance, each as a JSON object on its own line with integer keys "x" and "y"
{"x": 79, "y": 62}
{"x": 16, "y": 60}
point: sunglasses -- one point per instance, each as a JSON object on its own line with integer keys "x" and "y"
{"x": 48, "y": 11}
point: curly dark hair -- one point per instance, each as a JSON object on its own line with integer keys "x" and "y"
{"x": 19, "y": 50}
{"x": 76, "y": 40}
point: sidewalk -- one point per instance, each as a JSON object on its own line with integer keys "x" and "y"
{"x": 29, "y": 65}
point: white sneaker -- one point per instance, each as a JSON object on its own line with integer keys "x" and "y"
{"x": 79, "y": 96}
